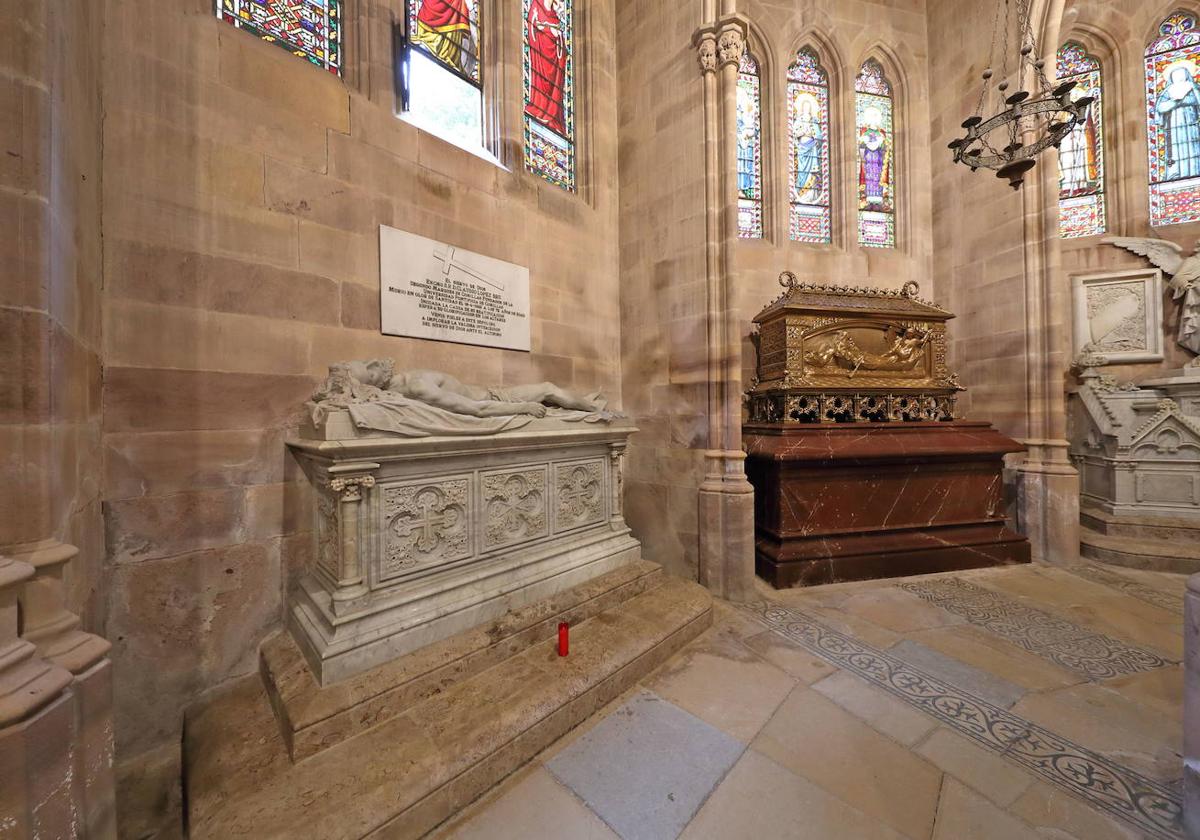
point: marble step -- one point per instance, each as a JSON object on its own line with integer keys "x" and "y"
{"x": 1159, "y": 555}
{"x": 406, "y": 775}
{"x": 1140, "y": 527}
{"x": 313, "y": 717}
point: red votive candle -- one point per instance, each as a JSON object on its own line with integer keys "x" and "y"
{"x": 564, "y": 631}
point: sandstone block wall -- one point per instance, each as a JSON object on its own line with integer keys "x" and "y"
{"x": 243, "y": 193}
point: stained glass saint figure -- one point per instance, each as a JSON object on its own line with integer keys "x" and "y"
{"x": 749, "y": 149}
{"x": 875, "y": 156}
{"x": 1178, "y": 110}
{"x": 873, "y": 109}
{"x": 809, "y": 147}
{"x": 548, "y": 65}
{"x": 1173, "y": 121}
{"x": 449, "y": 31}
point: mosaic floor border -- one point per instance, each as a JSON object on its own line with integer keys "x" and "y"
{"x": 1149, "y": 806}
{"x": 1154, "y": 597}
{"x": 1074, "y": 647}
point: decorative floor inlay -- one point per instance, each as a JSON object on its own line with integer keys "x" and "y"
{"x": 1166, "y": 600}
{"x": 1063, "y": 642}
{"x": 1150, "y": 806}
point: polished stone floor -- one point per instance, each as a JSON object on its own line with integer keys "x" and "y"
{"x": 1021, "y": 702}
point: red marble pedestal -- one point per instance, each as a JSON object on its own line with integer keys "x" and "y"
{"x": 854, "y": 501}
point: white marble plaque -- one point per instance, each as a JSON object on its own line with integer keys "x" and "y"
{"x": 429, "y": 289}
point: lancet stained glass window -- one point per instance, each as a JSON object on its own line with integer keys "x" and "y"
{"x": 311, "y": 29}
{"x": 1081, "y": 155}
{"x": 749, "y": 149}
{"x": 550, "y": 91}
{"x": 1173, "y": 121}
{"x": 808, "y": 131}
{"x": 442, "y": 69}
{"x": 875, "y": 138}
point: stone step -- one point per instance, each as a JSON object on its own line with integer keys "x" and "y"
{"x": 1140, "y": 527}
{"x": 1158, "y": 555}
{"x": 406, "y": 775}
{"x": 313, "y": 717}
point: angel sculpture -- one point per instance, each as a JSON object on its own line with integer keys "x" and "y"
{"x": 1184, "y": 281}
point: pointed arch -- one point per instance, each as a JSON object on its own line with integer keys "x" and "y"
{"x": 810, "y": 214}
{"x": 875, "y": 144}
{"x": 1081, "y": 194}
{"x": 1172, "y": 64}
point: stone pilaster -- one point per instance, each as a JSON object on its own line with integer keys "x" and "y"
{"x": 1191, "y": 708}
{"x": 616, "y": 456}
{"x": 350, "y": 483}
{"x": 726, "y": 499}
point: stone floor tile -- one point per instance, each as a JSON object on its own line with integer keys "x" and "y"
{"x": 1057, "y": 814}
{"x": 1161, "y": 688}
{"x": 790, "y": 657}
{"x": 899, "y": 611}
{"x": 535, "y": 806}
{"x": 1101, "y": 719}
{"x": 965, "y": 815}
{"x": 817, "y": 739}
{"x": 646, "y": 767}
{"x": 882, "y": 711}
{"x": 988, "y": 652}
{"x": 853, "y": 625}
{"x": 720, "y": 680}
{"x": 761, "y": 800}
{"x": 984, "y": 771}
{"x": 983, "y": 684}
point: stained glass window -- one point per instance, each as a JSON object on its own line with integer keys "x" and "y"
{"x": 442, "y": 69}
{"x": 749, "y": 150}
{"x": 311, "y": 29}
{"x": 1173, "y": 121}
{"x": 808, "y": 131}
{"x": 550, "y": 91}
{"x": 875, "y": 138}
{"x": 1081, "y": 155}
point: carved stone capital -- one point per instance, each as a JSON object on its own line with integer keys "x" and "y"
{"x": 350, "y": 488}
{"x": 706, "y": 50}
{"x": 731, "y": 45}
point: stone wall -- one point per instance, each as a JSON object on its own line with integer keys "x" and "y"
{"x": 49, "y": 301}
{"x": 1117, "y": 33}
{"x": 663, "y": 292}
{"x": 243, "y": 193}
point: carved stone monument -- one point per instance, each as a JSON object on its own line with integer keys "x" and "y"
{"x": 1137, "y": 450}
{"x": 859, "y": 466}
{"x": 441, "y": 505}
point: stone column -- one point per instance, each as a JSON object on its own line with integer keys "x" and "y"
{"x": 36, "y": 726}
{"x": 1191, "y": 708}
{"x": 83, "y": 657}
{"x": 726, "y": 499}
{"x": 1048, "y": 484}
{"x": 616, "y": 451}
{"x": 350, "y": 483}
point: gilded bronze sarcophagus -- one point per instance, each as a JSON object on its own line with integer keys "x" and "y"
{"x": 839, "y": 354}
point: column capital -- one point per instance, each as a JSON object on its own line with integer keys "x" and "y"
{"x": 722, "y": 43}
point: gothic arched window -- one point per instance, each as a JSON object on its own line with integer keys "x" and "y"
{"x": 1173, "y": 121}
{"x": 550, "y": 90}
{"x": 312, "y": 31}
{"x": 442, "y": 67}
{"x": 749, "y": 149}
{"x": 875, "y": 138}
{"x": 808, "y": 132}
{"x": 1081, "y": 154}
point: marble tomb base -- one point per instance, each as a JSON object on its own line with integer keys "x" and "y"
{"x": 418, "y": 539}
{"x": 839, "y": 502}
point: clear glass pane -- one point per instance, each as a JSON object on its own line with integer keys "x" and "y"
{"x": 443, "y": 103}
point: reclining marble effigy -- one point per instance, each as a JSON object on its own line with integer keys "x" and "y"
{"x": 441, "y": 505}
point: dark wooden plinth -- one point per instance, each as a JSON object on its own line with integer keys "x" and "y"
{"x": 871, "y": 500}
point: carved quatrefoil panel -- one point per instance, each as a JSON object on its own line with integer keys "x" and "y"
{"x": 578, "y": 494}
{"x": 514, "y": 504}
{"x": 426, "y": 523}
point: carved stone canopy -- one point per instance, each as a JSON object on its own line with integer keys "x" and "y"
{"x": 851, "y": 354}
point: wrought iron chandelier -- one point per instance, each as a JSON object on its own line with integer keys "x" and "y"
{"x": 1024, "y": 124}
